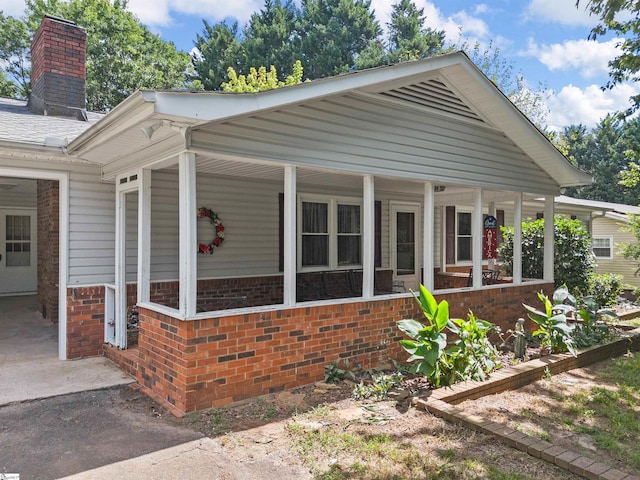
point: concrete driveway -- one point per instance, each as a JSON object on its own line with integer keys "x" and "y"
{"x": 29, "y": 365}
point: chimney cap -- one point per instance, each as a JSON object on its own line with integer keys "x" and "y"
{"x": 61, "y": 20}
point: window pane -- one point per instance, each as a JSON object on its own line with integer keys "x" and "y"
{"x": 314, "y": 217}
{"x": 405, "y": 243}
{"x": 464, "y": 223}
{"x": 464, "y": 248}
{"x": 349, "y": 250}
{"x": 601, "y": 252}
{"x": 9, "y": 225}
{"x": 315, "y": 250}
{"x": 348, "y": 219}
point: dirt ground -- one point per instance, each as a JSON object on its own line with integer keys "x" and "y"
{"x": 547, "y": 409}
{"x": 264, "y": 426}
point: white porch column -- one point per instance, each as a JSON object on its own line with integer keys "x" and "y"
{"x": 491, "y": 263}
{"x": 477, "y": 231}
{"x": 188, "y": 233}
{"x": 368, "y": 232}
{"x": 549, "y": 253}
{"x": 121, "y": 270}
{"x": 443, "y": 239}
{"x": 427, "y": 237}
{"x": 517, "y": 240}
{"x": 144, "y": 235}
{"x": 290, "y": 241}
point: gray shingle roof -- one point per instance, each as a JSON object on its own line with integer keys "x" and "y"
{"x": 18, "y": 124}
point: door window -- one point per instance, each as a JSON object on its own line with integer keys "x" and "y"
{"x": 18, "y": 241}
{"x": 405, "y": 243}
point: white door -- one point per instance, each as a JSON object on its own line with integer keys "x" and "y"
{"x": 18, "y": 255}
{"x": 405, "y": 245}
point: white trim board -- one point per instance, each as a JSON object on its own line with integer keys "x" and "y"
{"x": 63, "y": 239}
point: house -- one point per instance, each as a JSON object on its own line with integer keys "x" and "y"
{"x": 264, "y": 235}
{"x": 608, "y": 223}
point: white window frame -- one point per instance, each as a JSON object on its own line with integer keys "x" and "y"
{"x": 332, "y": 226}
{"x": 458, "y": 261}
{"x": 603, "y": 237}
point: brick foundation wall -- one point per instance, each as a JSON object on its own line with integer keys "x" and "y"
{"x": 48, "y": 212}
{"x": 85, "y": 321}
{"x": 199, "y": 364}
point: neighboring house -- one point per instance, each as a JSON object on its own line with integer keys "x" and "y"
{"x": 336, "y": 196}
{"x": 608, "y": 224}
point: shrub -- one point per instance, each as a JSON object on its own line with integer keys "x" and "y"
{"x": 573, "y": 259}
{"x": 605, "y": 289}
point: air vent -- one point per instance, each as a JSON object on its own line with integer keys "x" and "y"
{"x": 434, "y": 95}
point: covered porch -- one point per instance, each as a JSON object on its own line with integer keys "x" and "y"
{"x": 263, "y": 236}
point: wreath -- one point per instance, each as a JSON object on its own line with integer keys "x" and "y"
{"x": 204, "y": 212}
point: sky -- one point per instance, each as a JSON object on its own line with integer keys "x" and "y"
{"x": 546, "y": 40}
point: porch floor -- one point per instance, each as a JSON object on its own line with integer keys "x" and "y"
{"x": 29, "y": 365}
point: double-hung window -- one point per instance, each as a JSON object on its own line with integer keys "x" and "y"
{"x": 464, "y": 239}
{"x": 329, "y": 233}
{"x": 603, "y": 247}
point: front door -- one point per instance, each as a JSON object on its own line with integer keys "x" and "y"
{"x": 18, "y": 272}
{"x": 405, "y": 245}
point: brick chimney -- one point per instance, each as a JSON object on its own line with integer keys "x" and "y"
{"x": 58, "y": 70}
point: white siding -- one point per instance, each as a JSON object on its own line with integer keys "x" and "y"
{"x": 91, "y": 228}
{"x": 352, "y": 133}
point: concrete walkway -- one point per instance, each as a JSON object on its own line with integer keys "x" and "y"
{"x": 29, "y": 365}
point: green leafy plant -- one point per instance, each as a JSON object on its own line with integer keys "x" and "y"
{"x": 593, "y": 330}
{"x": 605, "y": 288}
{"x": 469, "y": 356}
{"x": 554, "y": 333}
{"x": 334, "y": 374}
{"x": 378, "y": 389}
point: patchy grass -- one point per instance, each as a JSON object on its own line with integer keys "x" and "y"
{"x": 420, "y": 446}
{"x": 593, "y": 410}
{"x": 611, "y": 414}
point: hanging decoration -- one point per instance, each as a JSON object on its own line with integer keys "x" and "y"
{"x": 204, "y": 212}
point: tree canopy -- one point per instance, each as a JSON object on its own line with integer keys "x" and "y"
{"x": 605, "y": 152}
{"x": 621, "y": 17}
{"x": 122, "y": 54}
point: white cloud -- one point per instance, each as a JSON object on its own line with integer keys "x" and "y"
{"x": 480, "y": 9}
{"x": 589, "y": 105}
{"x": 590, "y": 58}
{"x": 563, "y": 12}
{"x": 158, "y": 12}
{"x": 12, "y": 8}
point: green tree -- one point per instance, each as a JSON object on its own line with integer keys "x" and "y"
{"x": 408, "y": 38}
{"x": 260, "y": 79}
{"x": 14, "y": 46}
{"x": 218, "y": 49}
{"x": 530, "y": 100}
{"x": 605, "y": 152}
{"x": 573, "y": 260}
{"x": 268, "y": 37}
{"x": 332, "y": 33}
{"x": 621, "y": 17}
{"x": 122, "y": 55}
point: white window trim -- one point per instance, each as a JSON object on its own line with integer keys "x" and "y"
{"x": 470, "y": 212}
{"x": 332, "y": 227}
{"x": 602, "y": 237}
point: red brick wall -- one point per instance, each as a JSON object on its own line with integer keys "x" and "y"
{"x": 48, "y": 201}
{"x": 198, "y": 364}
{"x": 58, "y": 68}
{"x": 85, "y": 321}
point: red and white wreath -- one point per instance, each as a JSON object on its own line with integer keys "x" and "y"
{"x": 204, "y": 212}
